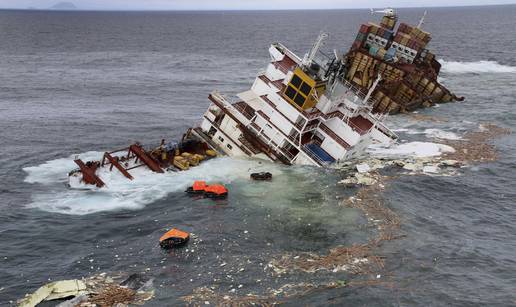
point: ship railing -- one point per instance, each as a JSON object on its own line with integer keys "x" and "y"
{"x": 334, "y": 136}
{"x": 269, "y": 141}
{"x": 230, "y": 107}
{"x": 358, "y": 92}
{"x": 312, "y": 115}
{"x": 297, "y": 125}
{"x": 284, "y": 68}
{"x": 378, "y": 122}
{"x": 293, "y": 138}
{"x": 243, "y": 108}
{"x": 287, "y": 52}
{"x": 311, "y": 126}
{"x": 356, "y": 128}
{"x": 286, "y": 153}
{"x": 310, "y": 153}
{"x": 334, "y": 114}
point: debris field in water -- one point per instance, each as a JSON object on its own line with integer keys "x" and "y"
{"x": 360, "y": 260}
{"x": 96, "y": 291}
{"x": 476, "y": 146}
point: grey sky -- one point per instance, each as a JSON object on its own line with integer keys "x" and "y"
{"x": 240, "y": 4}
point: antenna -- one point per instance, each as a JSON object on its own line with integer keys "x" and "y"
{"x": 421, "y": 21}
{"x": 309, "y": 57}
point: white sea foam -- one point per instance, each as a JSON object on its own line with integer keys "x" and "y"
{"x": 453, "y": 67}
{"x": 57, "y": 170}
{"x": 412, "y": 149}
{"x": 121, "y": 193}
{"x": 432, "y": 133}
{"x": 441, "y": 134}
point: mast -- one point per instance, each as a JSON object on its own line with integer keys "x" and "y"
{"x": 309, "y": 57}
{"x": 421, "y": 21}
{"x": 373, "y": 87}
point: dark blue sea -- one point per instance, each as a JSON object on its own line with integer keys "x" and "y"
{"x": 87, "y": 82}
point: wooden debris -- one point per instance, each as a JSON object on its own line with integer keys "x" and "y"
{"x": 476, "y": 146}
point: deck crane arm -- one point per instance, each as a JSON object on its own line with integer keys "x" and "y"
{"x": 310, "y": 56}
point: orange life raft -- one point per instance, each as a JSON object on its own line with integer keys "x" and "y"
{"x": 174, "y": 237}
{"x": 211, "y": 191}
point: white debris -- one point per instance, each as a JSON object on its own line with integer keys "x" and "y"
{"x": 363, "y": 168}
{"x": 433, "y": 169}
{"x": 450, "y": 163}
{"x": 364, "y": 179}
{"x": 54, "y": 290}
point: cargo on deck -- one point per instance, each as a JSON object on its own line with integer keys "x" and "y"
{"x": 408, "y": 69}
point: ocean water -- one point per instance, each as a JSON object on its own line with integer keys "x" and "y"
{"x": 86, "y": 82}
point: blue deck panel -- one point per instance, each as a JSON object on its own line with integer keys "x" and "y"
{"x": 323, "y": 155}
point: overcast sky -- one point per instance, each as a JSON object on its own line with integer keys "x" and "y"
{"x": 239, "y": 4}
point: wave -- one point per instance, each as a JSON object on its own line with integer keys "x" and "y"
{"x": 453, "y": 67}
{"x": 121, "y": 193}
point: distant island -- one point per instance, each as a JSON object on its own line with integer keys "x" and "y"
{"x": 63, "y": 6}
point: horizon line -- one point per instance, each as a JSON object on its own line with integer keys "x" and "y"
{"x": 241, "y": 10}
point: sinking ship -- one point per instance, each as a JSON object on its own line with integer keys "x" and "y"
{"x": 409, "y": 70}
{"x": 321, "y": 109}
{"x": 298, "y": 111}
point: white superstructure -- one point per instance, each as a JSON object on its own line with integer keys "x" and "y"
{"x": 298, "y": 111}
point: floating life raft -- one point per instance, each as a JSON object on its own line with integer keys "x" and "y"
{"x": 210, "y": 191}
{"x": 197, "y": 188}
{"x": 173, "y": 238}
{"x": 261, "y": 176}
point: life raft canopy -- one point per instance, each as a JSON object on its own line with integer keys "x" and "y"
{"x": 174, "y": 237}
{"x": 216, "y": 189}
{"x": 211, "y": 191}
{"x": 199, "y": 186}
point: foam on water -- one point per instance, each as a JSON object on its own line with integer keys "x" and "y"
{"x": 121, "y": 193}
{"x": 453, "y": 67}
{"x": 412, "y": 149}
{"x": 431, "y": 133}
{"x": 57, "y": 170}
{"x": 441, "y": 134}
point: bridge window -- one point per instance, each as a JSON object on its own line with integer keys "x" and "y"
{"x": 296, "y": 81}
{"x": 290, "y": 92}
{"x": 305, "y": 89}
{"x": 299, "y": 100}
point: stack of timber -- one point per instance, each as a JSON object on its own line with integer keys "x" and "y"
{"x": 408, "y": 69}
